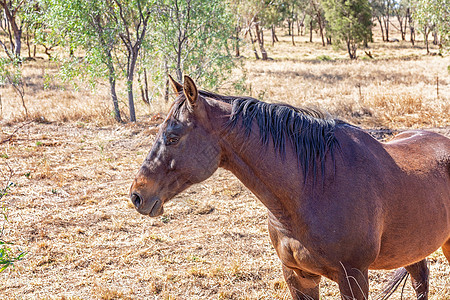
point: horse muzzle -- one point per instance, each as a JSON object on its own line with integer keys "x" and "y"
{"x": 152, "y": 206}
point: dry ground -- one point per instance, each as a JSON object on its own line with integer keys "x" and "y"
{"x": 73, "y": 167}
{"x": 70, "y": 211}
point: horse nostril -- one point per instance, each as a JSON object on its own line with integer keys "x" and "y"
{"x": 136, "y": 199}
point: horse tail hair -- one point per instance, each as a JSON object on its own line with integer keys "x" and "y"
{"x": 399, "y": 276}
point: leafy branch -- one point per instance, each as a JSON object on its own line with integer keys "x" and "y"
{"x": 7, "y": 256}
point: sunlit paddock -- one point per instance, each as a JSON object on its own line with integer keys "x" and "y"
{"x": 73, "y": 167}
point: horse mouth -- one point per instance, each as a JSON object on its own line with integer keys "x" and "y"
{"x": 156, "y": 209}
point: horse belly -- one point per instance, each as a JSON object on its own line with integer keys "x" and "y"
{"x": 415, "y": 232}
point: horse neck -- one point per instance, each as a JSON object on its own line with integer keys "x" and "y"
{"x": 261, "y": 169}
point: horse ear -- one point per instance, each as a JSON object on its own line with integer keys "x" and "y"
{"x": 177, "y": 87}
{"x": 190, "y": 90}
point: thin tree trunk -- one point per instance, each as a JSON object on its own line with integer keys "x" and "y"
{"x": 293, "y": 41}
{"x": 130, "y": 77}
{"x": 144, "y": 88}
{"x": 28, "y": 43}
{"x": 166, "y": 88}
{"x": 260, "y": 37}
{"x": 386, "y": 26}
{"x": 381, "y": 28}
{"x": 112, "y": 86}
{"x": 253, "y": 43}
{"x": 236, "y": 44}
{"x": 351, "y": 48}
{"x": 411, "y": 26}
{"x": 274, "y": 36}
{"x": 425, "y": 34}
{"x": 319, "y": 21}
{"x": 310, "y": 31}
{"x": 16, "y": 30}
{"x": 179, "y": 71}
{"x": 435, "y": 38}
{"x": 404, "y": 28}
{"x": 18, "y": 39}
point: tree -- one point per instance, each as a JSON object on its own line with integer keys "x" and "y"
{"x": 349, "y": 21}
{"x": 190, "y": 37}
{"x": 11, "y": 10}
{"x": 85, "y": 25}
{"x": 433, "y": 15}
{"x": 401, "y": 10}
{"x": 104, "y": 30}
{"x": 132, "y": 17}
{"x": 315, "y": 4}
{"x": 382, "y": 10}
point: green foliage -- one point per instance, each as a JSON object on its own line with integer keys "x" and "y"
{"x": 349, "y": 21}
{"x": 434, "y": 15}
{"x": 324, "y": 58}
{"x": 190, "y": 37}
{"x": 11, "y": 71}
{"x": 7, "y": 256}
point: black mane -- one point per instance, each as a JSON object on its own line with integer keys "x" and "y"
{"x": 310, "y": 132}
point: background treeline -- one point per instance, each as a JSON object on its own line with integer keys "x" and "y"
{"x": 141, "y": 41}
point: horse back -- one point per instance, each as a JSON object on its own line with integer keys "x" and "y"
{"x": 421, "y": 152}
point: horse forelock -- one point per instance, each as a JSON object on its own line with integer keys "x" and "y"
{"x": 309, "y": 132}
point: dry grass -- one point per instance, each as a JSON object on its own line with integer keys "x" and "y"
{"x": 70, "y": 209}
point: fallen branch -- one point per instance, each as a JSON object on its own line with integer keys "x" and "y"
{"x": 9, "y": 138}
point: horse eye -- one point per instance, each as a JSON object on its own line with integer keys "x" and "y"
{"x": 172, "y": 140}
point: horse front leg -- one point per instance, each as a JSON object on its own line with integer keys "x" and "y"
{"x": 302, "y": 285}
{"x": 353, "y": 283}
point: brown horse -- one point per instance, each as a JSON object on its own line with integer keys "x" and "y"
{"x": 339, "y": 202}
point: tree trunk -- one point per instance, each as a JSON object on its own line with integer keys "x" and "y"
{"x": 144, "y": 87}
{"x": 11, "y": 17}
{"x": 253, "y": 43}
{"x": 166, "y": 88}
{"x": 293, "y": 40}
{"x": 236, "y": 44}
{"x": 179, "y": 71}
{"x": 435, "y": 38}
{"x": 351, "y": 48}
{"x": 425, "y": 35}
{"x": 18, "y": 42}
{"x": 28, "y": 43}
{"x": 411, "y": 26}
{"x": 112, "y": 86}
{"x": 381, "y": 28}
{"x": 130, "y": 76}
{"x": 260, "y": 37}
{"x": 274, "y": 36}
{"x": 310, "y": 31}
{"x": 386, "y": 26}
{"x": 319, "y": 21}
{"x": 404, "y": 28}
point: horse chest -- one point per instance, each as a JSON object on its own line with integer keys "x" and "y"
{"x": 297, "y": 253}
